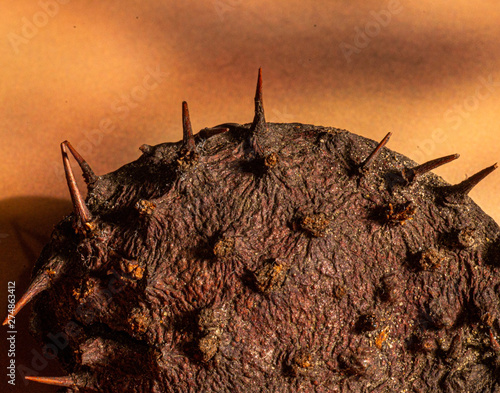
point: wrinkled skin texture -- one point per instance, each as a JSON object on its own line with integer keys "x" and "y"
{"x": 291, "y": 274}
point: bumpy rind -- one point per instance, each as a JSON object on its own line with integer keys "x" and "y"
{"x": 233, "y": 275}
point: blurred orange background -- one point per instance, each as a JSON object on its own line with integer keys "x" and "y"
{"x": 110, "y": 76}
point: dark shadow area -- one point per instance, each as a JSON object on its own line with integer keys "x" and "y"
{"x": 492, "y": 255}
{"x": 25, "y": 227}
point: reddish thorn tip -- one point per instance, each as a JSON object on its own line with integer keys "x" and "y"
{"x": 366, "y": 163}
{"x": 187, "y": 131}
{"x": 88, "y": 174}
{"x": 259, "y": 120}
{"x": 40, "y": 284}
{"x": 462, "y": 189}
{"x": 258, "y": 92}
{"x": 56, "y": 381}
{"x": 410, "y": 174}
{"x": 79, "y": 205}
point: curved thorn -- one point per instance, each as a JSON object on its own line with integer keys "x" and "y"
{"x": 40, "y": 284}
{"x": 56, "y": 381}
{"x": 259, "y": 120}
{"x": 79, "y": 206}
{"x": 187, "y": 131}
{"x": 88, "y": 173}
{"x": 366, "y": 163}
{"x": 460, "y": 190}
{"x": 410, "y": 174}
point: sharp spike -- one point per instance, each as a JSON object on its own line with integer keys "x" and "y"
{"x": 410, "y": 174}
{"x": 40, "y": 284}
{"x": 88, "y": 173}
{"x": 187, "y": 131}
{"x": 79, "y": 206}
{"x": 366, "y": 163}
{"x": 460, "y": 190}
{"x": 56, "y": 381}
{"x": 259, "y": 120}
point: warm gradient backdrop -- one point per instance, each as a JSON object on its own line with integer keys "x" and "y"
{"x": 110, "y": 76}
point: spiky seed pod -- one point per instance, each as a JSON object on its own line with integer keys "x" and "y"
{"x": 271, "y": 257}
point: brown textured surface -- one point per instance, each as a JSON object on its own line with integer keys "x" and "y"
{"x": 73, "y": 73}
{"x": 265, "y": 317}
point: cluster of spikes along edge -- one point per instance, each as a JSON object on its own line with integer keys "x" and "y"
{"x": 452, "y": 194}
